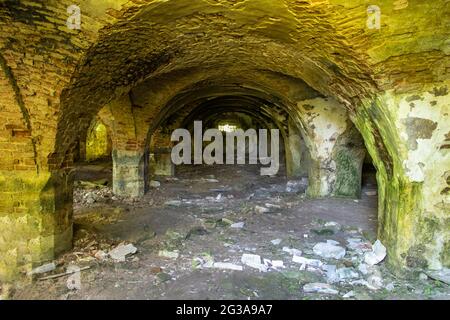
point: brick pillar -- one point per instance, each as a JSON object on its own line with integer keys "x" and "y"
{"x": 35, "y": 219}
{"x": 161, "y": 163}
{"x": 295, "y": 162}
{"x": 128, "y": 173}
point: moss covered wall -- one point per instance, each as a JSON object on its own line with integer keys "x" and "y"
{"x": 406, "y": 135}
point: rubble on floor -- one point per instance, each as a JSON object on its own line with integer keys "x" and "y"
{"x": 233, "y": 241}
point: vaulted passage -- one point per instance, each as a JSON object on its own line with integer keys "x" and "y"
{"x": 349, "y": 105}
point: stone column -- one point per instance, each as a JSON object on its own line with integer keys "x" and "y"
{"x": 295, "y": 167}
{"x": 408, "y": 137}
{"x": 128, "y": 173}
{"x": 161, "y": 163}
{"x": 335, "y": 147}
{"x": 35, "y": 219}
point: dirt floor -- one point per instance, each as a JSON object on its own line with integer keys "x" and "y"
{"x": 185, "y": 228}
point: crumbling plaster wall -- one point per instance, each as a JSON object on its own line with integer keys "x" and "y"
{"x": 325, "y": 123}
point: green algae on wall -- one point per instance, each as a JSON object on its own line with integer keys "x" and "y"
{"x": 404, "y": 134}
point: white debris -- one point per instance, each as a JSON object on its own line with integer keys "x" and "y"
{"x": 296, "y": 185}
{"x": 349, "y": 294}
{"x": 259, "y": 209}
{"x": 440, "y": 275}
{"x": 210, "y": 180}
{"x": 227, "y": 266}
{"x": 169, "y": 254}
{"x": 358, "y": 245}
{"x": 274, "y": 206}
{"x": 307, "y": 262}
{"x": 330, "y": 249}
{"x": 73, "y": 282}
{"x": 43, "y": 269}
{"x": 101, "y": 255}
{"x": 238, "y": 225}
{"x": 277, "y": 264}
{"x": 346, "y": 273}
{"x": 375, "y": 282}
{"x": 276, "y": 242}
{"x": 377, "y": 254}
{"x": 254, "y": 261}
{"x": 319, "y": 288}
{"x": 423, "y": 276}
{"x": 219, "y": 197}
{"x": 273, "y": 264}
{"x": 331, "y": 224}
{"x": 120, "y": 252}
{"x": 330, "y": 271}
{"x": 174, "y": 203}
{"x": 155, "y": 184}
{"x": 371, "y": 193}
{"x": 294, "y": 252}
{"x": 390, "y": 287}
{"x": 363, "y": 268}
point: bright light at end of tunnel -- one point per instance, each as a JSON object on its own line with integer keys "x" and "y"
{"x": 227, "y": 128}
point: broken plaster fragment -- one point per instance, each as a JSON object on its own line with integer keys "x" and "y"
{"x": 377, "y": 254}
{"x": 121, "y": 251}
{"x": 168, "y": 254}
{"x": 319, "y": 288}
{"x": 329, "y": 249}
{"x": 254, "y": 261}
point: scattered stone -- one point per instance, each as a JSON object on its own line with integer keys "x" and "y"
{"x": 173, "y": 203}
{"x": 273, "y": 264}
{"x": 329, "y": 249}
{"x": 323, "y": 288}
{"x": 101, "y": 255}
{"x": 155, "y": 184}
{"x": 227, "y": 266}
{"x": 254, "y": 261}
{"x": 273, "y": 206}
{"x": 276, "y": 242}
{"x": 296, "y": 186}
{"x": 330, "y": 271}
{"x": 307, "y": 262}
{"x": 375, "y": 282}
{"x": 440, "y": 275}
{"x": 346, "y": 273}
{"x": 168, "y": 254}
{"x": 363, "y": 268}
{"x": 238, "y": 225}
{"x": 390, "y": 287}
{"x": 155, "y": 270}
{"x": 423, "y": 276}
{"x": 358, "y": 245}
{"x": 43, "y": 269}
{"x": 294, "y": 252}
{"x": 332, "y": 224}
{"x": 260, "y": 210}
{"x": 349, "y": 294}
{"x": 121, "y": 251}
{"x": 377, "y": 254}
